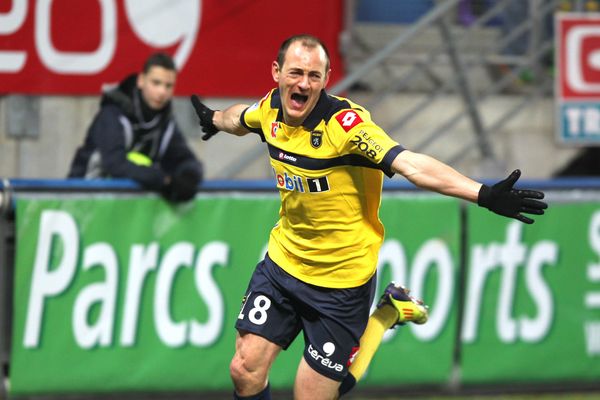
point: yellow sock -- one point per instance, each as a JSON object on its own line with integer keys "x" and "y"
{"x": 380, "y": 321}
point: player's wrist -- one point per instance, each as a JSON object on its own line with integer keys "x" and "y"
{"x": 484, "y": 196}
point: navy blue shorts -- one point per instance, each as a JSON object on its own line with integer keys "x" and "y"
{"x": 278, "y": 306}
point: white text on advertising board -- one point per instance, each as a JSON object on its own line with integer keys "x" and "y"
{"x": 59, "y": 228}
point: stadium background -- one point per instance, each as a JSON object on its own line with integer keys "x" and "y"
{"x": 435, "y": 74}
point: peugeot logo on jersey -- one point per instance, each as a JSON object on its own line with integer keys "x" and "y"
{"x": 316, "y": 139}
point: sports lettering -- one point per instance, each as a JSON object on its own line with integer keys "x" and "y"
{"x": 348, "y": 119}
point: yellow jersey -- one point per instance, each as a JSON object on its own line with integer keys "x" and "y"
{"x": 329, "y": 173}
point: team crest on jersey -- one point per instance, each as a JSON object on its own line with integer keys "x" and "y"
{"x": 348, "y": 119}
{"x": 316, "y": 139}
{"x": 274, "y": 128}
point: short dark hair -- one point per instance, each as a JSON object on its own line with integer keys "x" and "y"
{"x": 307, "y": 40}
{"x": 159, "y": 60}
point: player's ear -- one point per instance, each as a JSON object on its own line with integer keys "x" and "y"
{"x": 327, "y": 74}
{"x": 275, "y": 71}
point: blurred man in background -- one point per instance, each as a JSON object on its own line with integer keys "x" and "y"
{"x": 319, "y": 273}
{"x": 134, "y": 135}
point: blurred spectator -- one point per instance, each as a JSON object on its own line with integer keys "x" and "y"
{"x": 134, "y": 135}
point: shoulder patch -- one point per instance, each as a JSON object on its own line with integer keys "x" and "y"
{"x": 348, "y": 119}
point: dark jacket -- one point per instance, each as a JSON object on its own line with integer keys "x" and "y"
{"x": 125, "y": 124}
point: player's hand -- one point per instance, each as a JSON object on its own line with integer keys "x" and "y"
{"x": 502, "y": 199}
{"x": 206, "y": 118}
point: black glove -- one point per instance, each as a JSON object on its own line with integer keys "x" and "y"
{"x": 206, "y": 117}
{"x": 504, "y": 200}
{"x": 184, "y": 183}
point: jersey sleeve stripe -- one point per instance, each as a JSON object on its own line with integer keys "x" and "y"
{"x": 389, "y": 158}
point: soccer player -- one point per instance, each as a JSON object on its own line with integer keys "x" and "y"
{"x": 329, "y": 159}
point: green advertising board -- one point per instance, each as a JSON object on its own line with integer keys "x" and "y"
{"x": 132, "y": 294}
{"x": 421, "y": 251}
{"x": 532, "y": 299}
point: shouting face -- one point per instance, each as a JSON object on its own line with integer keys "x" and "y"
{"x": 301, "y": 77}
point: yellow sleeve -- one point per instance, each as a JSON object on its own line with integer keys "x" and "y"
{"x": 251, "y": 117}
{"x": 361, "y": 136}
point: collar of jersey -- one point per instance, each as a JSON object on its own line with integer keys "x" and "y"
{"x": 316, "y": 115}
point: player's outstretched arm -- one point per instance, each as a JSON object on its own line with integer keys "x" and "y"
{"x": 213, "y": 121}
{"x": 428, "y": 173}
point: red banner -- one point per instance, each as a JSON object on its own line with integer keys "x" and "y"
{"x": 221, "y": 47}
{"x": 579, "y": 56}
{"x": 578, "y": 78}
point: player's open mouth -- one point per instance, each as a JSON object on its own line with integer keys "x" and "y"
{"x": 298, "y": 100}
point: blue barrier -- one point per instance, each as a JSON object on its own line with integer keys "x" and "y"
{"x": 260, "y": 184}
